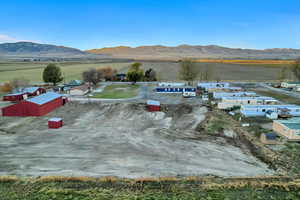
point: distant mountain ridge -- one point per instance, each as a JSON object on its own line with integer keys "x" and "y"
{"x": 197, "y": 51}
{"x": 36, "y": 50}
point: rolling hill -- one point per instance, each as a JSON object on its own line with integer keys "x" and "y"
{"x": 35, "y": 50}
{"x": 189, "y": 51}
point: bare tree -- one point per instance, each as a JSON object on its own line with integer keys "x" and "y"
{"x": 92, "y": 76}
{"x": 108, "y": 73}
{"x": 19, "y": 83}
{"x": 188, "y": 71}
{"x": 296, "y": 69}
{"x": 283, "y": 74}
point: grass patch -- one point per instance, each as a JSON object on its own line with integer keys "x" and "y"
{"x": 118, "y": 92}
{"x": 282, "y": 97}
{"x": 33, "y": 71}
{"x": 146, "y": 190}
{"x": 292, "y": 151}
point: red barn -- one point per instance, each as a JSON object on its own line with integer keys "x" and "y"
{"x": 36, "y": 106}
{"x": 15, "y": 97}
{"x": 153, "y": 106}
{"x": 55, "y": 122}
{"x": 34, "y": 91}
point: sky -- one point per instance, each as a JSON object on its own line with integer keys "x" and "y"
{"x": 87, "y": 24}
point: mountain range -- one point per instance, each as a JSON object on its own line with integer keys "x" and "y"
{"x": 158, "y": 52}
{"x": 197, "y": 51}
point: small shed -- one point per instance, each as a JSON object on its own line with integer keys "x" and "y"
{"x": 269, "y": 138}
{"x": 79, "y": 90}
{"x": 153, "y": 106}
{"x": 15, "y": 97}
{"x": 55, "y": 122}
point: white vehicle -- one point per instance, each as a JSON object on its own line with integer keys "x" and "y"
{"x": 189, "y": 94}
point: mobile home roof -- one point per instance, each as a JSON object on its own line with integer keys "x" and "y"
{"x": 44, "y": 98}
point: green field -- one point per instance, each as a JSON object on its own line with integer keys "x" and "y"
{"x": 118, "y": 92}
{"x": 33, "y": 71}
{"x": 166, "y": 71}
{"x": 49, "y": 188}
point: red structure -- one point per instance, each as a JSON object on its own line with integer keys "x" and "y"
{"x": 37, "y": 106}
{"x": 34, "y": 91}
{"x": 15, "y": 97}
{"x": 55, "y": 123}
{"x": 153, "y": 106}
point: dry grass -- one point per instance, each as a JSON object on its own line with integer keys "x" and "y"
{"x": 279, "y": 62}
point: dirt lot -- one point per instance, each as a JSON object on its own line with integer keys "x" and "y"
{"x": 120, "y": 140}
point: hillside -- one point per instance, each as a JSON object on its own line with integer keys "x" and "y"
{"x": 35, "y": 50}
{"x": 188, "y": 51}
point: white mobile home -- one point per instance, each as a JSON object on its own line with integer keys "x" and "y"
{"x": 229, "y": 102}
{"x": 261, "y": 110}
{"x": 170, "y": 84}
{"x": 220, "y": 95}
{"x": 290, "y": 84}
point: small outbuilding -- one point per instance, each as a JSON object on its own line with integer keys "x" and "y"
{"x": 34, "y": 91}
{"x": 79, "y": 90}
{"x": 269, "y": 138}
{"x": 15, "y": 97}
{"x": 153, "y": 106}
{"x": 36, "y": 106}
{"x": 55, "y": 122}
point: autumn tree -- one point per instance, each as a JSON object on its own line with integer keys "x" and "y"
{"x": 296, "y": 69}
{"x": 150, "y": 75}
{"x": 188, "y": 71}
{"x": 6, "y": 87}
{"x": 92, "y": 76}
{"x": 52, "y": 74}
{"x": 19, "y": 83}
{"x": 135, "y": 73}
{"x": 108, "y": 73}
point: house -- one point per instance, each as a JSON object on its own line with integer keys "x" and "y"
{"x": 229, "y": 102}
{"x": 121, "y": 77}
{"x": 33, "y": 91}
{"x": 74, "y": 83}
{"x": 36, "y": 106}
{"x": 290, "y": 84}
{"x": 153, "y": 106}
{"x": 261, "y": 110}
{"x": 269, "y": 138}
{"x": 15, "y": 97}
{"x": 79, "y": 90}
{"x": 169, "y": 84}
{"x": 219, "y": 95}
{"x": 290, "y": 129}
{"x": 55, "y": 122}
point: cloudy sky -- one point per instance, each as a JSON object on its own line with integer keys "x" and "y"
{"x": 89, "y": 24}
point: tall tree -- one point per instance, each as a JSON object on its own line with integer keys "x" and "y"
{"x": 150, "y": 75}
{"x": 108, "y": 73}
{"x": 52, "y": 74}
{"x": 135, "y": 73}
{"x": 188, "y": 71}
{"x": 92, "y": 76}
{"x": 296, "y": 69}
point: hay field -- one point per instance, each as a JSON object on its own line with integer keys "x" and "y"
{"x": 33, "y": 71}
{"x": 166, "y": 71}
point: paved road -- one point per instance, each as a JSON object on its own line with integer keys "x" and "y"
{"x": 278, "y": 90}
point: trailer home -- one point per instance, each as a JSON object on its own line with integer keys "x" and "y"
{"x": 229, "y": 102}
{"x": 220, "y": 95}
{"x": 261, "y": 110}
{"x": 290, "y": 129}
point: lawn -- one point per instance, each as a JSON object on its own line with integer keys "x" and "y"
{"x": 33, "y": 71}
{"x": 118, "y": 92}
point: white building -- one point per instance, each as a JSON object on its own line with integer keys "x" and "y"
{"x": 229, "y": 102}
{"x": 220, "y": 95}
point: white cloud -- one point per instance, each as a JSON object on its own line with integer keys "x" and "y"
{"x": 7, "y": 38}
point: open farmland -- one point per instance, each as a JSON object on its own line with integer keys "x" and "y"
{"x": 121, "y": 140}
{"x": 167, "y": 71}
{"x": 33, "y": 71}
